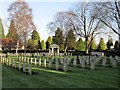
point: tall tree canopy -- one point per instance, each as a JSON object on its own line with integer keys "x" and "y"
{"x": 85, "y": 23}
{"x": 82, "y": 19}
{"x": 43, "y": 45}
{"x": 34, "y": 41}
{"x": 117, "y": 45}
{"x": 102, "y": 45}
{"x": 35, "y": 35}
{"x": 2, "y": 35}
{"x": 62, "y": 20}
{"x": 109, "y": 43}
{"x": 70, "y": 40}
{"x": 48, "y": 42}
{"x": 59, "y": 38}
{"x": 12, "y": 32}
{"x": 93, "y": 45}
{"x": 80, "y": 45}
{"x": 21, "y": 14}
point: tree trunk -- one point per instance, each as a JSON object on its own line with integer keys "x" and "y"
{"x": 119, "y": 38}
{"x": 65, "y": 51}
{"x": 86, "y": 50}
{"x": 86, "y": 44}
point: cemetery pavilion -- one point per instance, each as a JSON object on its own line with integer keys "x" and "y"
{"x": 53, "y": 49}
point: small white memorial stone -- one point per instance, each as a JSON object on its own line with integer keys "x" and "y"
{"x": 75, "y": 61}
{"x": 39, "y": 62}
{"x": 65, "y": 64}
{"x": 29, "y": 69}
{"x": 104, "y": 61}
{"x": 56, "y": 64}
{"x": 35, "y": 61}
{"x": 45, "y": 62}
{"x": 23, "y": 66}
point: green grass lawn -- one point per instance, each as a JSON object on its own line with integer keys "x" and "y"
{"x": 74, "y": 78}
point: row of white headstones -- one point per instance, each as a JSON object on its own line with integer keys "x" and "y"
{"x": 17, "y": 64}
{"x": 36, "y": 54}
{"x": 57, "y": 63}
{"x": 25, "y": 63}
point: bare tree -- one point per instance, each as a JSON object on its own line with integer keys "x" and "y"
{"x": 20, "y": 12}
{"x": 109, "y": 14}
{"x": 61, "y": 20}
{"x": 85, "y": 23}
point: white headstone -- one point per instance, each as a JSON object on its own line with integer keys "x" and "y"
{"x": 29, "y": 69}
{"x": 28, "y": 60}
{"x": 45, "y": 62}
{"x": 87, "y": 60}
{"x": 75, "y": 61}
{"x": 35, "y": 61}
{"x": 19, "y": 65}
{"x": 83, "y": 62}
{"x": 39, "y": 62}
{"x": 104, "y": 61}
{"x": 68, "y": 61}
{"x": 117, "y": 59}
{"x": 56, "y": 64}
{"x": 15, "y": 64}
{"x": 113, "y": 62}
{"x": 61, "y": 60}
{"x": 65, "y": 64}
{"x": 9, "y": 62}
{"x": 50, "y": 63}
{"x": 92, "y": 62}
{"x": 24, "y": 67}
{"x": 79, "y": 57}
{"x": 31, "y": 60}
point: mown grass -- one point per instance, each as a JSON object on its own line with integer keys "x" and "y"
{"x": 74, "y": 78}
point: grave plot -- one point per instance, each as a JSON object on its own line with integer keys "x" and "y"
{"x": 59, "y": 63}
{"x": 117, "y": 58}
{"x": 93, "y": 62}
{"x": 55, "y": 63}
{"x": 23, "y": 66}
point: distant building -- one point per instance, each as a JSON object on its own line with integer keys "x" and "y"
{"x": 53, "y": 49}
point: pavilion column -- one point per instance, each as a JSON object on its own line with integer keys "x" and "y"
{"x": 58, "y": 51}
{"x": 52, "y": 51}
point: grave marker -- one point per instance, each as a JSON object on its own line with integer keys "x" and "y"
{"x": 39, "y": 62}
{"x": 45, "y": 61}
{"x": 65, "y": 64}
{"x": 23, "y": 66}
{"x": 35, "y": 61}
{"x": 56, "y": 64}
{"x": 29, "y": 69}
{"x": 75, "y": 61}
{"x": 113, "y": 62}
{"x": 104, "y": 61}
